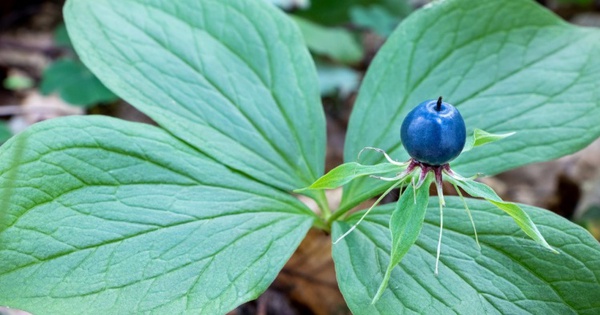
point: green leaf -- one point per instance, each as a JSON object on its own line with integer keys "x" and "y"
{"x": 5, "y": 132}
{"x": 346, "y": 172}
{"x": 509, "y": 275}
{"x": 336, "y": 43}
{"x": 334, "y": 12}
{"x": 102, "y": 216}
{"x": 532, "y": 74}
{"x": 75, "y": 84}
{"x": 231, "y": 78}
{"x": 337, "y": 80}
{"x": 375, "y": 17}
{"x": 405, "y": 226}
{"x": 61, "y": 36}
{"x": 477, "y": 189}
{"x": 480, "y": 137}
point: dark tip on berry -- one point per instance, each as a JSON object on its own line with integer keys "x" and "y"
{"x": 438, "y": 107}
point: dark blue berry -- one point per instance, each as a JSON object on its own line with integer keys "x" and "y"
{"x": 433, "y": 133}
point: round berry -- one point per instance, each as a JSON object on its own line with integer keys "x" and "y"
{"x": 433, "y": 133}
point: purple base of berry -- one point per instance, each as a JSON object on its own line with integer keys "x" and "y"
{"x": 437, "y": 171}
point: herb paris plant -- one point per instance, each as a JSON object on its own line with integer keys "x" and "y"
{"x": 433, "y": 134}
{"x": 196, "y": 215}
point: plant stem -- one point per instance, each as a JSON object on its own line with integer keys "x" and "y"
{"x": 323, "y": 203}
{"x": 322, "y": 221}
{"x": 319, "y": 223}
{"x": 339, "y": 212}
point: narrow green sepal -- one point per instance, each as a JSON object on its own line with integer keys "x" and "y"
{"x": 405, "y": 225}
{"x": 480, "y": 137}
{"x": 346, "y": 172}
{"x": 480, "y": 190}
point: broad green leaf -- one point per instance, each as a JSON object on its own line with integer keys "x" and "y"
{"x": 346, "y": 172}
{"x": 509, "y": 275}
{"x": 405, "y": 226}
{"x": 102, "y": 216}
{"x": 5, "y": 132}
{"x": 61, "y": 36}
{"x": 74, "y": 83}
{"x": 376, "y": 18}
{"x": 480, "y": 137}
{"x": 337, "y": 80}
{"x": 231, "y": 78}
{"x": 336, "y": 43}
{"x": 532, "y": 74}
{"x": 481, "y": 190}
{"x": 335, "y": 12}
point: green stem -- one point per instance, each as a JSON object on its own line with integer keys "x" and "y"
{"x": 339, "y": 212}
{"x": 323, "y": 203}
{"x": 319, "y": 223}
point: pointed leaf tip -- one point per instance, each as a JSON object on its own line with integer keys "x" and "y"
{"x": 481, "y": 137}
{"x": 480, "y": 190}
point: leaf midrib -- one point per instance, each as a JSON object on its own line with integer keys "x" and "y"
{"x": 155, "y": 229}
{"x": 233, "y": 53}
